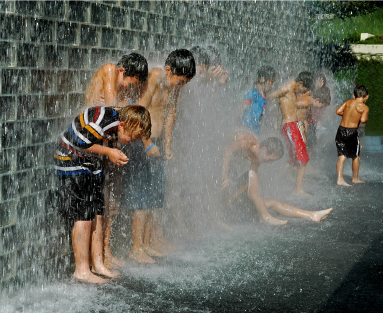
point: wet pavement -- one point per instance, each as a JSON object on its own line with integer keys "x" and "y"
{"x": 332, "y": 266}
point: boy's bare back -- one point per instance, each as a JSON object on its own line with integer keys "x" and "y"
{"x": 353, "y": 112}
{"x": 104, "y": 79}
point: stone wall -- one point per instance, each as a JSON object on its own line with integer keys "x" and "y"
{"x": 48, "y": 53}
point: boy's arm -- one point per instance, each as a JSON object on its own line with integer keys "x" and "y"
{"x": 364, "y": 117}
{"x": 169, "y": 125}
{"x": 279, "y": 93}
{"x": 110, "y": 84}
{"x": 115, "y": 156}
{"x": 340, "y": 110}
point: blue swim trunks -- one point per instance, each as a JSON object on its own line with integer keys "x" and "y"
{"x": 253, "y": 113}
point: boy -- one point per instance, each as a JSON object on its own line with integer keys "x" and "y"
{"x": 115, "y": 85}
{"x": 353, "y": 112}
{"x": 244, "y": 145}
{"x": 292, "y": 129}
{"x": 254, "y": 102}
{"x": 80, "y": 179}
{"x": 159, "y": 96}
{"x": 319, "y": 99}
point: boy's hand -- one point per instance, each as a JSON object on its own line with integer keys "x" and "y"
{"x": 153, "y": 152}
{"x": 168, "y": 154}
{"x": 117, "y": 157}
{"x": 225, "y": 182}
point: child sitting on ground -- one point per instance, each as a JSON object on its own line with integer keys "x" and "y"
{"x": 80, "y": 177}
{"x": 353, "y": 112}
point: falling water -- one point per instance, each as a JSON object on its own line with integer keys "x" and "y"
{"x": 49, "y": 52}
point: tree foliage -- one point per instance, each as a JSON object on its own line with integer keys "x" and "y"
{"x": 343, "y": 9}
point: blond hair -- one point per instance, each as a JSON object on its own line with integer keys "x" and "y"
{"x": 136, "y": 118}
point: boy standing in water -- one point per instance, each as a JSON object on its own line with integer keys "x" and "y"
{"x": 115, "y": 85}
{"x": 245, "y": 146}
{"x": 80, "y": 180}
{"x": 292, "y": 129}
{"x": 254, "y": 102}
{"x": 353, "y": 112}
{"x": 159, "y": 96}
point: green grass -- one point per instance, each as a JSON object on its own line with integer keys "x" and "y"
{"x": 348, "y": 30}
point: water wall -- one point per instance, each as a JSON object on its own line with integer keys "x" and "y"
{"x": 49, "y": 51}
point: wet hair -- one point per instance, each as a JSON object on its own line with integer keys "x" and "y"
{"x": 200, "y": 55}
{"x": 136, "y": 118}
{"x": 306, "y": 78}
{"x": 182, "y": 63}
{"x": 317, "y": 76}
{"x": 135, "y": 65}
{"x": 360, "y": 91}
{"x": 214, "y": 56}
{"x": 323, "y": 94}
{"x": 267, "y": 72}
{"x": 273, "y": 145}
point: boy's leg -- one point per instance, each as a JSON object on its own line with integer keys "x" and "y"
{"x": 148, "y": 235}
{"x": 138, "y": 226}
{"x": 256, "y": 196}
{"x": 81, "y": 245}
{"x": 157, "y": 238}
{"x": 292, "y": 211}
{"x": 112, "y": 201}
{"x": 109, "y": 259}
{"x": 355, "y": 171}
{"x": 96, "y": 250}
{"x": 299, "y": 182}
{"x": 339, "y": 170}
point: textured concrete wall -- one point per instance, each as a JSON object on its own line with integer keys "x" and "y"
{"x": 48, "y": 53}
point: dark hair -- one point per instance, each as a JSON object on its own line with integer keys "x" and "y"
{"x": 136, "y": 117}
{"x": 182, "y": 63}
{"x": 317, "y": 76}
{"x": 267, "y": 72}
{"x": 273, "y": 145}
{"x": 200, "y": 55}
{"x": 323, "y": 94}
{"x": 360, "y": 91}
{"x": 214, "y": 56}
{"x": 135, "y": 65}
{"x": 306, "y": 78}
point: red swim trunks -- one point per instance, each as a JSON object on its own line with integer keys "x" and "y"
{"x": 293, "y": 132}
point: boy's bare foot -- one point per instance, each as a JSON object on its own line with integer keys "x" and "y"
{"x": 89, "y": 277}
{"x": 110, "y": 261}
{"x": 321, "y": 215}
{"x": 102, "y": 270}
{"x": 223, "y": 226}
{"x": 152, "y": 252}
{"x": 163, "y": 246}
{"x": 272, "y": 221}
{"x": 342, "y": 182}
{"x": 357, "y": 181}
{"x": 301, "y": 193}
{"x": 140, "y": 256}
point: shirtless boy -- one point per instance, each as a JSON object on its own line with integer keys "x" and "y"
{"x": 159, "y": 96}
{"x": 244, "y": 145}
{"x": 292, "y": 129}
{"x": 115, "y": 85}
{"x": 353, "y": 112}
{"x": 80, "y": 178}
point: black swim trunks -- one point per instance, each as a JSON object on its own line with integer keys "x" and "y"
{"x": 80, "y": 197}
{"x": 347, "y": 142}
